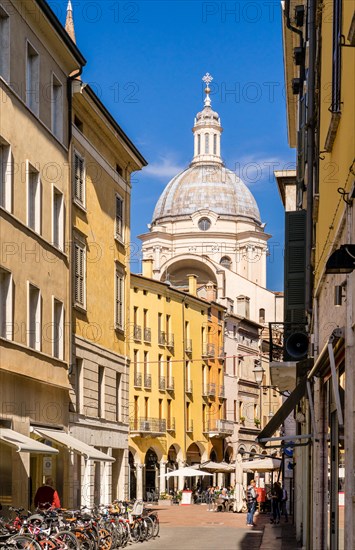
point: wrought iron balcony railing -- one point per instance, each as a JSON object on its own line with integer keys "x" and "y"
{"x": 188, "y": 387}
{"x": 221, "y": 391}
{"x": 162, "y": 383}
{"x": 137, "y": 380}
{"x": 153, "y": 426}
{"x": 170, "y": 383}
{"x": 211, "y": 389}
{"x": 148, "y": 381}
{"x": 208, "y": 350}
{"x": 221, "y": 427}
{"x": 188, "y": 345}
{"x": 170, "y": 425}
{"x": 189, "y": 426}
{"x": 137, "y": 333}
{"x": 204, "y": 390}
{"x": 161, "y": 338}
{"x": 170, "y": 340}
{"x": 147, "y": 335}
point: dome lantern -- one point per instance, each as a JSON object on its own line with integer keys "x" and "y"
{"x": 207, "y": 131}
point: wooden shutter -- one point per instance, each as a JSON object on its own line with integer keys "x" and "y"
{"x": 295, "y": 267}
{"x": 119, "y": 299}
{"x": 78, "y": 178}
{"x": 79, "y": 271}
{"x": 119, "y": 216}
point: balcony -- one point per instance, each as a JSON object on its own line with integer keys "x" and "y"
{"x": 170, "y": 425}
{"x": 162, "y": 383}
{"x": 161, "y": 338}
{"x": 188, "y": 346}
{"x": 188, "y": 388}
{"x": 221, "y": 353}
{"x": 143, "y": 427}
{"x": 148, "y": 381}
{"x": 170, "y": 341}
{"x": 211, "y": 390}
{"x": 137, "y": 380}
{"x": 220, "y": 428}
{"x": 208, "y": 350}
{"x": 221, "y": 392}
{"x": 147, "y": 335}
{"x": 204, "y": 390}
{"x": 189, "y": 427}
{"x": 137, "y": 333}
{"x": 170, "y": 384}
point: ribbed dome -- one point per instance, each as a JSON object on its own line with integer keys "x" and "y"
{"x": 204, "y": 186}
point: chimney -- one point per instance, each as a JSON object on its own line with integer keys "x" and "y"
{"x": 210, "y": 291}
{"x": 192, "y": 284}
{"x": 147, "y": 268}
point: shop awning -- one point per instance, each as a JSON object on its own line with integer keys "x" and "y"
{"x": 61, "y": 437}
{"x": 262, "y": 465}
{"x": 286, "y": 408}
{"x": 25, "y": 444}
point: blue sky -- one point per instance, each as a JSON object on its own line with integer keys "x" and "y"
{"x": 146, "y": 60}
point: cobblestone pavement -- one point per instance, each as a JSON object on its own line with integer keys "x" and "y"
{"x": 193, "y": 528}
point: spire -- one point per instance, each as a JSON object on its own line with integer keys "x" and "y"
{"x": 69, "y": 23}
{"x": 207, "y": 131}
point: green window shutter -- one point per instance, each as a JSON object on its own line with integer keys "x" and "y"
{"x": 295, "y": 267}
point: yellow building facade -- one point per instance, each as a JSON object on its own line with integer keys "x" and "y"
{"x": 102, "y": 159}
{"x": 36, "y": 60}
{"x": 175, "y": 394}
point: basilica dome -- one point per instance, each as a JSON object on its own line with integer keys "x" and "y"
{"x": 206, "y": 186}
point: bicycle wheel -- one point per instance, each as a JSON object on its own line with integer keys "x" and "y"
{"x": 21, "y": 541}
{"x": 155, "y": 520}
{"x": 149, "y": 527}
{"x": 105, "y": 539}
{"x": 85, "y": 542}
{"x": 135, "y": 531}
{"x": 69, "y": 540}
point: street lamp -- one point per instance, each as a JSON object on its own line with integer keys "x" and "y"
{"x": 258, "y": 373}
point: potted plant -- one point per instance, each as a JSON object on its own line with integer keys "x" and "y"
{"x": 257, "y": 422}
{"x": 242, "y": 419}
{"x": 165, "y": 499}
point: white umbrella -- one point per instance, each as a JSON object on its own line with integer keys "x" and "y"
{"x": 186, "y": 472}
{"x": 216, "y": 467}
{"x": 262, "y": 465}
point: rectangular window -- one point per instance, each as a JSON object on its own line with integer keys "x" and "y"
{"x": 58, "y": 219}
{"x": 136, "y": 407}
{"x": 79, "y": 385}
{"x": 240, "y": 409}
{"x": 57, "y": 108}
{"x": 80, "y": 275}
{"x": 32, "y": 79}
{"x": 58, "y": 329}
{"x": 119, "y": 218}
{"x": 145, "y": 365}
{"x": 34, "y": 330}
{"x": 101, "y": 392}
{"x": 79, "y": 179}
{"x": 160, "y": 366}
{"x": 234, "y": 365}
{"x": 118, "y": 397}
{"x": 168, "y": 412}
{"x": 119, "y": 298}
{"x": 235, "y": 411}
{"x": 5, "y": 175}
{"x": 135, "y": 362}
{"x": 160, "y": 409}
{"x": 4, "y": 45}
{"x": 33, "y": 199}
{"x": 215, "y": 144}
{"x": 6, "y": 305}
{"x": 146, "y": 408}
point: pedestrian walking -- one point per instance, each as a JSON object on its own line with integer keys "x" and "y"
{"x": 251, "y": 503}
{"x": 276, "y": 497}
{"x": 283, "y": 504}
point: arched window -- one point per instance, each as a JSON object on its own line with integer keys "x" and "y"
{"x": 207, "y": 144}
{"x": 261, "y": 315}
{"x": 215, "y": 144}
{"x": 198, "y": 144}
{"x": 226, "y": 262}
